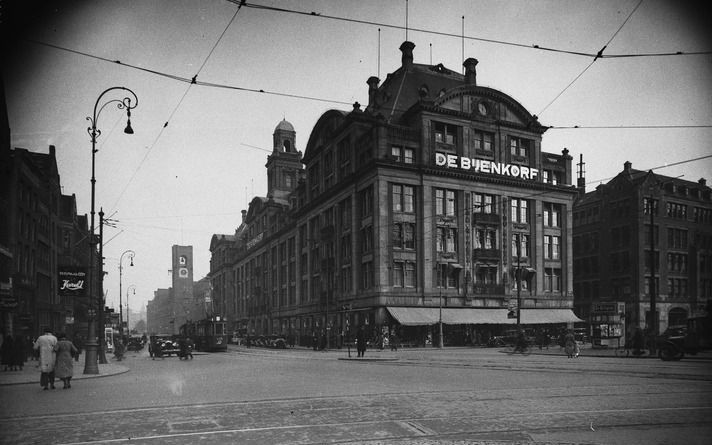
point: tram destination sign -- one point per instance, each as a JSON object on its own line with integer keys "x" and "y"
{"x": 485, "y": 166}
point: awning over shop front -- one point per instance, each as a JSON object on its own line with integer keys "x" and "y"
{"x": 547, "y": 316}
{"x": 420, "y": 316}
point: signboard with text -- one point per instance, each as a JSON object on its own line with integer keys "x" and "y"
{"x": 72, "y": 281}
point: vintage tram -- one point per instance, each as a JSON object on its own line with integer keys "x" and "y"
{"x": 208, "y": 335}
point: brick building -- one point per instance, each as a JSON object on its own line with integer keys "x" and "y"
{"x": 613, "y": 228}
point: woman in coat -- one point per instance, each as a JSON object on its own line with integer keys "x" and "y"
{"x": 65, "y": 360}
{"x": 45, "y": 352}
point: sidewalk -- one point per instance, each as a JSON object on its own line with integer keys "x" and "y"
{"x": 30, "y": 373}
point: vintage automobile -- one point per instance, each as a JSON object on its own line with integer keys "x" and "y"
{"x": 162, "y": 345}
{"x": 135, "y": 344}
{"x": 690, "y": 338}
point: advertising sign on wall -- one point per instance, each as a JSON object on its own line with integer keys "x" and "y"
{"x": 72, "y": 281}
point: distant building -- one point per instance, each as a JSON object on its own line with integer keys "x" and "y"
{"x": 435, "y": 203}
{"x": 613, "y": 229}
{"x": 184, "y": 301}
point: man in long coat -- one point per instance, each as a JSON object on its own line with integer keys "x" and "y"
{"x": 45, "y": 345}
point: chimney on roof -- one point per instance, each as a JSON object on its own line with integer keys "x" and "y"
{"x": 702, "y": 182}
{"x": 627, "y": 166}
{"x": 470, "y": 71}
{"x": 52, "y": 150}
{"x": 372, "y": 90}
{"x": 244, "y": 214}
{"x": 407, "y": 57}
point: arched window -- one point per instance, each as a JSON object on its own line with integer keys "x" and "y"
{"x": 287, "y": 145}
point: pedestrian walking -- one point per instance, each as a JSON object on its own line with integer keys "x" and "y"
{"x": 361, "y": 342}
{"x": 66, "y": 351}
{"x": 18, "y": 353}
{"x": 570, "y": 344}
{"x": 79, "y": 344}
{"x": 6, "y": 353}
{"x": 45, "y": 347}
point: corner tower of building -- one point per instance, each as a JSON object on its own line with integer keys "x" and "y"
{"x": 284, "y": 165}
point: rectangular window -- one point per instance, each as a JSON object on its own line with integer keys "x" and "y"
{"x": 483, "y": 140}
{"x": 403, "y": 197}
{"x": 409, "y": 274}
{"x": 403, "y": 154}
{"x": 445, "y": 202}
{"x": 367, "y": 275}
{"x": 409, "y": 236}
{"x": 367, "y": 239}
{"x": 552, "y": 247}
{"x": 524, "y": 239}
{"x": 552, "y": 279}
{"x": 398, "y": 274}
{"x": 552, "y": 214}
{"x": 447, "y": 277}
{"x": 366, "y": 201}
{"x": 520, "y": 210}
{"x": 446, "y": 239}
{"x": 519, "y": 147}
{"x": 483, "y": 203}
{"x": 445, "y": 134}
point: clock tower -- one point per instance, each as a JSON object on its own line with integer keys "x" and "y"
{"x": 182, "y": 290}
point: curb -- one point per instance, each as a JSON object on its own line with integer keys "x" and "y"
{"x": 118, "y": 369}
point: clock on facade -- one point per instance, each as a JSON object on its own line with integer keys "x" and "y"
{"x": 183, "y": 272}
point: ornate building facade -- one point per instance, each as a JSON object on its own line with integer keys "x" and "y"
{"x": 434, "y": 204}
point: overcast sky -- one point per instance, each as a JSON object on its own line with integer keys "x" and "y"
{"x": 182, "y": 182}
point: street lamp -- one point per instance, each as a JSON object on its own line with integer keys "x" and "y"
{"x": 90, "y": 365}
{"x": 131, "y": 255}
{"x": 128, "y": 325}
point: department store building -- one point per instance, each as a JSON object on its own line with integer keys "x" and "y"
{"x": 432, "y": 204}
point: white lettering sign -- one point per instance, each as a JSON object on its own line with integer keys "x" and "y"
{"x": 485, "y": 166}
{"x": 69, "y": 285}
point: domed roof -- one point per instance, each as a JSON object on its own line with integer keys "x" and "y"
{"x": 284, "y": 125}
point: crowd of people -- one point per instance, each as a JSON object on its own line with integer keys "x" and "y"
{"x": 55, "y": 357}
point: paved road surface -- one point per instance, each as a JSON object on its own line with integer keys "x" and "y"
{"x": 419, "y": 396}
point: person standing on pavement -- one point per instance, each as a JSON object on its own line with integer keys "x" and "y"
{"x": 18, "y": 353}
{"x": 45, "y": 347}
{"x": 66, "y": 351}
{"x": 570, "y": 344}
{"x": 7, "y": 351}
{"x": 361, "y": 342}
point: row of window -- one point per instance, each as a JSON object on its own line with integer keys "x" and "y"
{"x": 403, "y": 201}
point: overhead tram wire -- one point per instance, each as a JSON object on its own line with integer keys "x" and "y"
{"x": 175, "y": 109}
{"x": 461, "y": 36}
{"x": 598, "y": 55}
{"x": 326, "y": 100}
